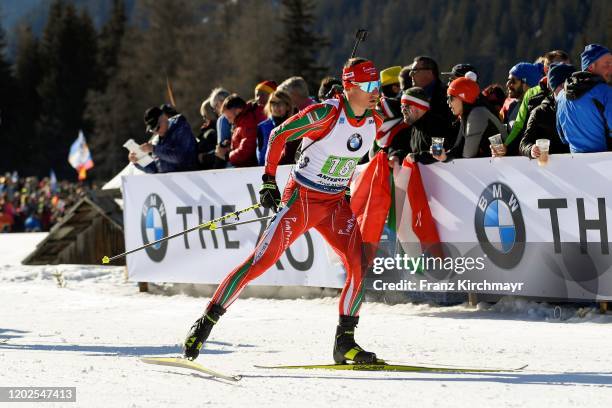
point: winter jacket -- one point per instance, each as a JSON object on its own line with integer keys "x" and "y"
{"x": 416, "y": 139}
{"x": 542, "y": 124}
{"x": 522, "y": 115}
{"x": 263, "y": 134}
{"x": 584, "y": 113}
{"x": 244, "y": 138}
{"x": 477, "y": 125}
{"x": 176, "y": 150}
{"x": 224, "y": 129}
{"x": 439, "y": 108}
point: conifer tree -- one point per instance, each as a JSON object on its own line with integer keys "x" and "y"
{"x": 299, "y": 44}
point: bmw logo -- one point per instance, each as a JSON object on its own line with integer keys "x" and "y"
{"x": 499, "y": 225}
{"x": 154, "y": 226}
{"x": 354, "y": 142}
{"x": 304, "y": 160}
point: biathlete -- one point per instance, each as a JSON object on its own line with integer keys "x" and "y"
{"x": 335, "y": 135}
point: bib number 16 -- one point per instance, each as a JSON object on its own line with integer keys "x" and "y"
{"x": 339, "y": 166}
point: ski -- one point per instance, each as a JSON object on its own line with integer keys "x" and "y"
{"x": 188, "y": 364}
{"x": 392, "y": 367}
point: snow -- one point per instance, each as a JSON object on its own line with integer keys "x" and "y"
{"x": 86, "y": 327}
{"x": 15, "y": 247}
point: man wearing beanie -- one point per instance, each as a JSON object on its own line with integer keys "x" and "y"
{"x": 535, "y": 95}
{"x": 597, "y": 60}
{"x": 263, "y": 90}
{"x": 423, "y": 126}
{"x": 542, "y": 122}
{"x": 584, "y": 106}
{"x": 522, "y": 84}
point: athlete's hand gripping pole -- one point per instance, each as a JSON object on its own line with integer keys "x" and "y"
{"x": 269, "y": 195}
{"x": 210, "y": 225}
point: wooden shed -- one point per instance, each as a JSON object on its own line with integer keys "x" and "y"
{"x": 92, "y": 228}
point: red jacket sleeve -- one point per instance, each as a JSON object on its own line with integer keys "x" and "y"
{"x": 314, "y": 122}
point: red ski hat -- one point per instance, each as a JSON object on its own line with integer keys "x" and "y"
{"x": 362, "y": 72}
{"x": 465, "y": 89}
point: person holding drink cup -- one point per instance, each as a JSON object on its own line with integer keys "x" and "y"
{"x": 477, "y": 123}
{"x": 542, "y": 122}
{"x": 424, "y": 128}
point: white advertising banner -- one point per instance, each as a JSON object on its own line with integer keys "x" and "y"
{"x": 163, "y": 204}
{"x": 546, "y": 227}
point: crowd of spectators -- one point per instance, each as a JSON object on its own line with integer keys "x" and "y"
{"x": 32, "y": 205}
{"x": 549, "y": 98}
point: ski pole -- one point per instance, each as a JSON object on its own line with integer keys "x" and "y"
{"x": 360, "y": 36}
{"x": 210, "y": 225}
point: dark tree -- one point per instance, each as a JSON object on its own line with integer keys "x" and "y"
{"x": 68, "y": 54}
{"x": 8, "y": 112}
{"x": 299, "y": 44}
{"x": 109, "y": 43}
{"x": 28, "y": 73}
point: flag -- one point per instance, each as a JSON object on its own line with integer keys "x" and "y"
{"x": 416, "y": 229}
{"x": 80, "y": 156}
{"x": 53, "y": 181}
{"x": 370, "y": 201}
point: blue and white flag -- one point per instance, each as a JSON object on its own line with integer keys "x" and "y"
{"x": 80, "y": 156}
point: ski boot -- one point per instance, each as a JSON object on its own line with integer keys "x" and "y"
{"x": 200, "y": 331}
{"x": 345, "y": 347}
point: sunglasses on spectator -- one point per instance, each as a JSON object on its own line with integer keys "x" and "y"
{"x": 369, "y": 86}
{"x": 450, "y": 98}
{"x": 415, "y": 70}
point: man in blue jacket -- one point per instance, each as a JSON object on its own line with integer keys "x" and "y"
{"x": 584, "y": 106}
{"x": 176, "y": 148}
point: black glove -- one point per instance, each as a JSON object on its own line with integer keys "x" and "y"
{"x": 347, "y": 195}
{"x": 269, "y": 196}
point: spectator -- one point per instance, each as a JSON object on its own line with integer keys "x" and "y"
{"x": 597, "y": 60}
{"x": 542, "y": 122}
{"x": 329, "y": 88}
{"x": 405, "y": 81}
{"x": 242, "y": 150}
{"x": 423, "y": 125}
{"x": 224, "y": 128}
{"x": 477, "y": 123}
{"x": 207, "y": 139}
{"x": 175, "y": 148}
{"x": 534, "y": 95}
{"x": 495, "y": 96}
{"x": 460, "y": 70}
{"x": 425, "y": 74}
{"x": 23, "y": 198}
{"x": 297, "y": 88}
{"x": 278, "y": 109}
{"x": 584, "y": 106}
{"x": 6, "y": 216}
{"x": 389, "y": 81}
{"x": 521, "y": 77}
{"x": 262, "y": 94}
